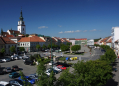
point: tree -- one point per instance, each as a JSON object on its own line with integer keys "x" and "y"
{"x": 96, "y": 45}
{"x": 27, "y": 35}
{"x": 75, "y": 47}
{"x": 2, "y": 51}
{"x": 25, "y": 81}
{"x": 1, "y": 31}
{"x": 41, "y": 68}
{"x": 37, "y": 46}
{"x": 21, "y": 49}
{"x": 69, "y": 43}
{"x": 64, "y": 47}
{"x": 49, "y": 46}
{"x": 51, "y": 79}
{"x": 44, "y": 46}
{"x": 12, "y": 49}
{"x": 90, "y": 70}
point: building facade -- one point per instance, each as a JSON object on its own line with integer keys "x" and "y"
{"x": 115, "y": 35}
{"x": 82, "y": 41}
{"x": 90, "y": 42}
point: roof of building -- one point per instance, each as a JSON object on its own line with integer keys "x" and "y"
{"x": 71, "y": 38}
{"x": 9, "y": 36}
{"x": 109, "y": 41}
{"x": 5, "y": 33}
{"x": 105, "y": 39}
{"x": 54, "y": 39}
{"x": 7, "y": 40}
{"x": 15, "y": 31}
{"x": 31, "y": 39}
{"x": 1, "y": 41}
{"x": 81, "y": 39}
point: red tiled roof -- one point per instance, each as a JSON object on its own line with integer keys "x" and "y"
{"x": 54, "y": 39}
{"x": 5, "y": 33}
{"x": 1, "y": 41}
{"x": 81, "y": 39}
{"x": 31, "y": 39}
{"x": 103, "y": 40}
{"x": 8, "y": 41}
{"x": 15, "y": 32}
{"x": 109, "y": 41}
{"x": 9, "y": 36}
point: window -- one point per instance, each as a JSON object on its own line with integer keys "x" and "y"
{"x": 23, "y": 29}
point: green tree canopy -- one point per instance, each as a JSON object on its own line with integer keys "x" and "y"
{"x": 96, "y": 45}
{"x": 27, "y": 35}
{"x": 75, "y": 47}
{"x": 21, "y": 49}
{"x": 64, "y": 47}
{"x": 90, "y": 73}
{"x": 2, "y": 50}
{"x": 12, "y": 49}
{"x": 69, "y": 43}
{"x": 37, "y": 46}
{"x": 44, "y": 46}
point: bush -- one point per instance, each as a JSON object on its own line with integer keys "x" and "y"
{"x": 34, "y": 63}
{"x": 62, "y": 58}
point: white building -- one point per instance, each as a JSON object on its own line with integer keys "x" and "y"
{"x": 72, "y": 40}
{"x": 90, "y": 42}
{"x": 115, "y": 35}
{"x": 21, "y": 25}
{"x": 29, "y": 43}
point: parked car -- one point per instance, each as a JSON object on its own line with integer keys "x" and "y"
{"x": 56, "y": 68}
{"x": 33, "y": 76}
{"x": 32, "y": 81}
{"x": 24, "y": 59}
{"x": 48, "y": 73}
{"x": 51, "y": 63}
{"x": 8, "y": 69}
{"x": 27, "y": 62}
{"x": 50, "y": 69}
{"x": 15, "y": 68}
{"x": 63, "y": 64}
{"x": 5, "y": 60}
{"x": 61, "y": 67}
{"x": 4, "y": 83}
{"x": 20, "y": 57}
{"x": 1, "y": 61}
{"x": 2, "y": 71}
{"x": 16, "y": 82}
{"x": 14, "y": 75}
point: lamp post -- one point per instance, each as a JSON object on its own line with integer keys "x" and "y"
{"x": 51, "y": 53}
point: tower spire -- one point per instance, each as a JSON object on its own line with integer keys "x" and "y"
{"x": 21, "y": 17}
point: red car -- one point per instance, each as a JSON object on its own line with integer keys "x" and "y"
{"x": 62, "y": 67}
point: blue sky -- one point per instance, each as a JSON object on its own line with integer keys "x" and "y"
{"x": 62, "y": 18}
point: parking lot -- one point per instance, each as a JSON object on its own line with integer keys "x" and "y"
{"x": 26, "y": 69}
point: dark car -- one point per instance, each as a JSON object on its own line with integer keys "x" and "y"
{"x": 15, "y": 68}
{"x": 16, "y": 82}
{"x": 27, "y": 62}
{"x": 14, "y": 75}
{"x": 63, "y": 64}
{"x": 1, "y": 61}
{"x": 2, "y": 71}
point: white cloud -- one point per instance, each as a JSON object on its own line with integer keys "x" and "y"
{"x": 85, "y": 31}
{"x": 93, "y": 30}
{"x": 69, "y": 32}
{"x": 77, "y": 31}
{"x": 60, "y": 25}
{"x": 42, "y": 27}
{"x": 61, "y": 32}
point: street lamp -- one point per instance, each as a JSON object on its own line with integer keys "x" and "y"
{"x": 51, "y": 53}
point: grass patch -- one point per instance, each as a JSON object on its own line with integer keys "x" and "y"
{"x": 62, "y": 58}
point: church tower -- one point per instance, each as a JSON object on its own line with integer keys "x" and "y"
{"x": 21, "y": 26}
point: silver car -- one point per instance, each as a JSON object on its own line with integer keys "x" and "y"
{"x": 33, "y": 76}
{"x": 8, "y": 70}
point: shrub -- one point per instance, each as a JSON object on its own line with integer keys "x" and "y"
{"x": 34, "y": 63}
